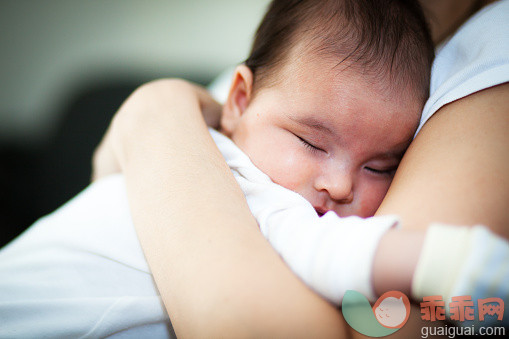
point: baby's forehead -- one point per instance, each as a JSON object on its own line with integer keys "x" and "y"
{"x": 322, "y": 81}
{"x": 304, "y": 63}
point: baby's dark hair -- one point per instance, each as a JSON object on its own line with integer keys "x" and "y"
{"x": 385, "y": 38}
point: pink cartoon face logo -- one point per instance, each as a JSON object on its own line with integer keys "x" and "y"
{"x": 392, "y": 309}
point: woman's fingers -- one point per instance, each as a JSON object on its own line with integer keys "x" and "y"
{"x": 211, "y": 109}
{"x": 104, "y": 160}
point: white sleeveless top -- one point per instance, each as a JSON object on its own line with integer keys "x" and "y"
{"x": 475, "y": 58}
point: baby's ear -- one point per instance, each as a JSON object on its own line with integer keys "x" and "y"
{"x": 238, "y": 99}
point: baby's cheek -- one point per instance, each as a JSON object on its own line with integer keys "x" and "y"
{"x": 269, "y": 157}
{"x": 289, "y": 170}
{"x": 371, "y": 198}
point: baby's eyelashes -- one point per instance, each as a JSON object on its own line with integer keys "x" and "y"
{"x": 309, "y": 145}
{"x": 387, "y": 171}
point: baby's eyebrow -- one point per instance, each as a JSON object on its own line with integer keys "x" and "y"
{"x": 313, "y": 123}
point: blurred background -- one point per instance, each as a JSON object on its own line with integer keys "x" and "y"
{"x": 67, "y": 65}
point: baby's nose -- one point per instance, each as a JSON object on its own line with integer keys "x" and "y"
{"x": 338, "y": 187}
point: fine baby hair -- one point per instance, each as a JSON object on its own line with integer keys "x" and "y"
{"x": 380, "y": 38}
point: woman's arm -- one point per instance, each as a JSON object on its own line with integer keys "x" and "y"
{"x": 455, "y": 170}
{"x": 216, "y": 273}
{"x": 105, "y": 161}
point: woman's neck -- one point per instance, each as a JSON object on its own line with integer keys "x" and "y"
{"x": 446, "y": 16}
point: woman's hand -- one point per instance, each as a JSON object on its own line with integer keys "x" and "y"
{"x": 151, "y": 106}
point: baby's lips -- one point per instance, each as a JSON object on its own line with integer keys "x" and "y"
{"x": 320, "y": 210}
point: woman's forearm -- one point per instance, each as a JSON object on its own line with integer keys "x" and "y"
{"x": 107, "y": 156}
{"x": 216, "y": 273}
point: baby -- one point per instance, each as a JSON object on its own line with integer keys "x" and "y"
{"x": 330, "y": 97}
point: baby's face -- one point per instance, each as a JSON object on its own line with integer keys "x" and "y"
{"x": 333, "y": 137}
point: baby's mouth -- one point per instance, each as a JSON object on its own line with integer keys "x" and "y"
{"x": 320, "y": 211}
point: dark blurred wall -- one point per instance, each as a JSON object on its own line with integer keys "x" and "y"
{"x": 35, "y": 182}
